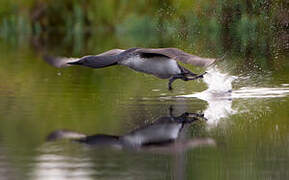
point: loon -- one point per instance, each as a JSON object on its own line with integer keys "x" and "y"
{"x": 162, "y": 62}
{"x": 163, "y": 133}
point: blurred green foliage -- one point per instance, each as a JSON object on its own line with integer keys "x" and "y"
{"x": 246, "y": 28}
{"x": 36, "y": 98}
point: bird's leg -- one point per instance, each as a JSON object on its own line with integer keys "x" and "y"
{"x": 172, "y": 79}
{"x": 194, "y": 78}
{"x": 184, "y": 78}
{"x": 192, "y": 74}
{"x": 198, "y": 75}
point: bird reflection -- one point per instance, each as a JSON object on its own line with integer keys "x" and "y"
{"x": 161, "y": 135}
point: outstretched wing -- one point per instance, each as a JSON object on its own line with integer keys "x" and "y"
{"x": 177, "y": 55}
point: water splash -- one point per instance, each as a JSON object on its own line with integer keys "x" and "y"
{"x": 217, "y": 81}
{"x": 220, "y": 95}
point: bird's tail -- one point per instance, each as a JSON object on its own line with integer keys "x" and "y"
{"x": 59, "y": 62}
{"x": 89, "y": 61}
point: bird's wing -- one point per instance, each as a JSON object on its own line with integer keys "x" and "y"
{"x": 61, "y": 62}
{"x": 177, "y": 55}
{"x": 111, "y": 52}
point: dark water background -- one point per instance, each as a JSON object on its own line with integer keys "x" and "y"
{"x": 249, "y": 128}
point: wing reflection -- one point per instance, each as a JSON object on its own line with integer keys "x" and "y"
{"x": 161, "y": 135}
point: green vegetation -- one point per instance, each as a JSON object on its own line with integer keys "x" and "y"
{"x": 248, "y": 28}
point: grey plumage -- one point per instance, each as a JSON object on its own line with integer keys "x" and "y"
{"x": 162, "y": 62}
{"x": 179, "y": 55}
{"x": 96, "y": 61}
{"x": 163, "y": 132}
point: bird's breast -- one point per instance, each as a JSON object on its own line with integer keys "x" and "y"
{"x": 158, "y": 66}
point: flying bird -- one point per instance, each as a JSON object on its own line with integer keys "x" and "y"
{"x": 162, "y": 62}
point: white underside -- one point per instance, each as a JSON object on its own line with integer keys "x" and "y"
{"x": 160, "y": 67}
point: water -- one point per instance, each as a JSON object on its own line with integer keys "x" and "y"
{"x": 220, "y": 94}
{"x": 243, "y": 134}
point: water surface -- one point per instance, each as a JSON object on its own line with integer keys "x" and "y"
{"x": 246, "y": 108}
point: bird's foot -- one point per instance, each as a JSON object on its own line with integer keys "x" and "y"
{"x": 196, "y": 77}
{"x": 201, "y": 75}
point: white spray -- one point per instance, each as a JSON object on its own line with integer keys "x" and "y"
{"x": 218, "y": 95}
